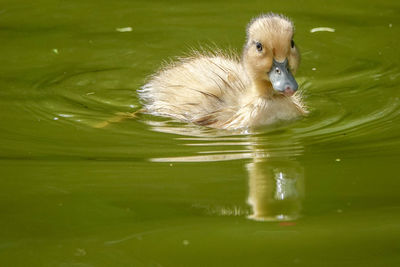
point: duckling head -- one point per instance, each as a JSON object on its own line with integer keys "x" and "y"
{"x": 270, "y": 55}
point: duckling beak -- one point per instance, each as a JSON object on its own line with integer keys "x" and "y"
{"x": 282, "y": 79}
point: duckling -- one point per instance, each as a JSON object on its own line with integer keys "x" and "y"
{"x": 225, "y": 92}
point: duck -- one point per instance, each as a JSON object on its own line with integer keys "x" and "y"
{"x": 225, "y": 91}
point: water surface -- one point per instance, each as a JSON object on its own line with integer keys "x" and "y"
{"x": 84, "y": 185}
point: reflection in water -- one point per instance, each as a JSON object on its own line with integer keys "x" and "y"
{"x": 276, "y": 189}
{"x": 276, "y": 179}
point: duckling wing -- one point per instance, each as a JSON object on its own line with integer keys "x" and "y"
{"x": 205, "y": 90}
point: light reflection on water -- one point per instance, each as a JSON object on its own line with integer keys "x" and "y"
{"x": 276, "y": 189}
{"x": 275, "y": 178}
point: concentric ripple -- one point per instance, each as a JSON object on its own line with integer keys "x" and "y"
{"x": 105, "y": 98}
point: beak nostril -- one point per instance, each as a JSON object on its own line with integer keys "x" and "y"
{"x": 281, "y": 78}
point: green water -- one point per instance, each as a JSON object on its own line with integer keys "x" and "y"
{"x": 322, "y": 191}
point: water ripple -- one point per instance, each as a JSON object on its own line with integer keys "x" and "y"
{"x": 355, "y": 105}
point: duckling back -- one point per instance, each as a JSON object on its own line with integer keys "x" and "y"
{"x": 204, "y": 89}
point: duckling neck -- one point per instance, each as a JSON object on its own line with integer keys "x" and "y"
{"x": 263, "y": 88}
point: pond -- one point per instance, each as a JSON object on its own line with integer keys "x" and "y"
{"x": 84, "y": 184}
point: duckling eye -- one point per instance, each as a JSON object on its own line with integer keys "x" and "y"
{"x": 278, "y": 71}
{"x": 292, "y": 43}
{"x": 259, "y": 47}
